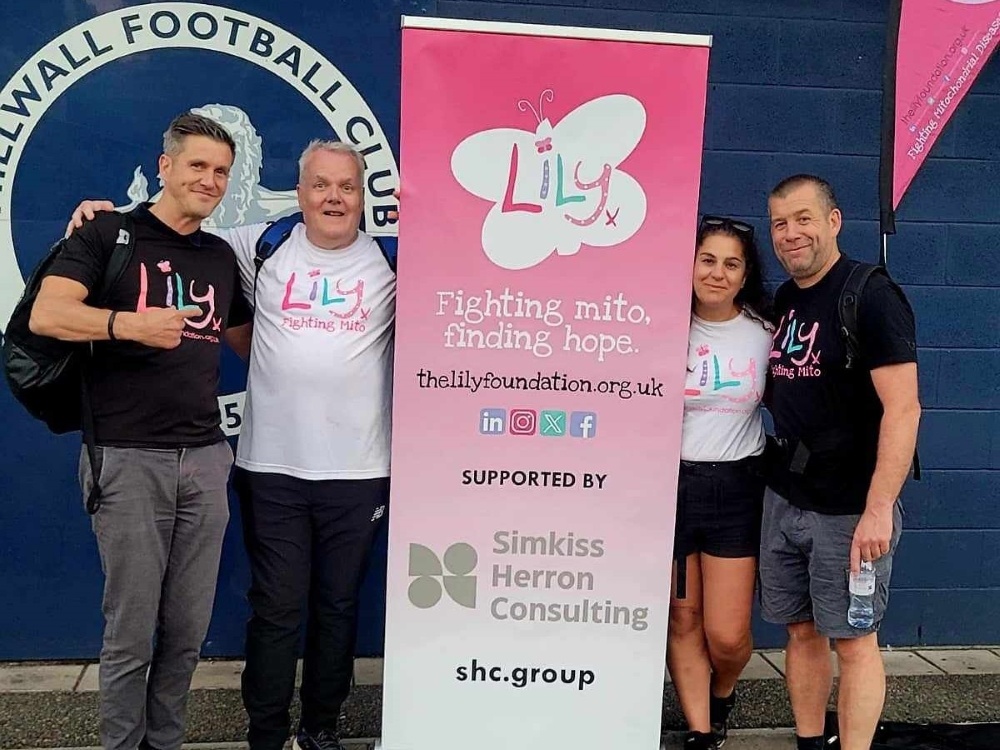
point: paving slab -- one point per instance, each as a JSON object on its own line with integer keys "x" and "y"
{"x": 209, "y": 675}
{"x": 963, "y": 661}
{"x": 907, "y": 664}
{"x": 217, "y": 675}
{"x": 897, "y": 664}
{"x": 225, "y": 675}
{"x": 777, "y": 660}
{"x": 89, "y": 682}
{"x": 368, "y": 671}
{"x": 39, "y": 678}
{"x": 759, "y": 668}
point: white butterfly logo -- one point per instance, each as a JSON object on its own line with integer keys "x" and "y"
{"x": 559, "y": 187}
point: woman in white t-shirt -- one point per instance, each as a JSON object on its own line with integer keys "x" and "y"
{"x": 720, "y": 487}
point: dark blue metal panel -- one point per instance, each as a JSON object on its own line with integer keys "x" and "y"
{"x": 918, "y": 253}
{"x": 956, "y": 440}
{"x": 952, "y": 316}
{"x": 963, "y": 384}
{"x": 925, "y": 555}
{"x": 934, "y": 616}
{"x": 971, "y": 249}
{"x": 742, "y": 117}
{"x": 952, "y": 498}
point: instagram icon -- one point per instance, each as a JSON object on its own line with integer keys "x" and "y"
{"x": 522, "y": 421}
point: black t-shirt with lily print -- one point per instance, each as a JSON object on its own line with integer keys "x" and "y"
{"x": 142, "y": 396}
{"x": 815, "y": 399}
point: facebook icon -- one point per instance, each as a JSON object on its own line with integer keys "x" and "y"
{"x": 583, "y": 424}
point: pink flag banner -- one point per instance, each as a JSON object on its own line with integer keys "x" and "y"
{"x": 550, "y": 189}
{"x": 942, "y": 45}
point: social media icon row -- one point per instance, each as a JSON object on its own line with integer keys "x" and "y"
{"x": 548, "y": 423}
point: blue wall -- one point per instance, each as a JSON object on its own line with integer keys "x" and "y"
{"x": 794, "y": 86}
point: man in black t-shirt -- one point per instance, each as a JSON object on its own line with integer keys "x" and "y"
{"x": 848, "y": 437}
{"x": 163, "y": 459}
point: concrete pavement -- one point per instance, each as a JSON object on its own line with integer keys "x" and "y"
{"x": 55, "y": 705}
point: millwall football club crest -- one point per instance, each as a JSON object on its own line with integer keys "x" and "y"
{"x": 136, "y": 36}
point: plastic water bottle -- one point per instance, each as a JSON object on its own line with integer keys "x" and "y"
{"x": 861, "y": 613}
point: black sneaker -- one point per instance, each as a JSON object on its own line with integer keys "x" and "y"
{"x": 700, "y": 741}
{"x": 321, "y": 740}
{"x": 719, "y": 710}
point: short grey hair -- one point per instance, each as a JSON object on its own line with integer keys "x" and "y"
{"x": 191, "y": 124}
{"x": 333, "y": 147}
{"x": 823, "y": 188}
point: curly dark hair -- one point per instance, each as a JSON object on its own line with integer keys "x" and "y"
{"x": 754, "y": 298}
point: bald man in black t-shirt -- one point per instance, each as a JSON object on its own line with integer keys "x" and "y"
{"x": 848, "y": 436}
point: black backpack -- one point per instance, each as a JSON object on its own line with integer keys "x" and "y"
{"x": 48, "y": 376}
{"x": 847, "y": 309}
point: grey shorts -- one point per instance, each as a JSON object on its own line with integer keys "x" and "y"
{"x": 805, "y": 561}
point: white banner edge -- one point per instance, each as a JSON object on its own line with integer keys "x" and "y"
{"x": 570, "y": 32}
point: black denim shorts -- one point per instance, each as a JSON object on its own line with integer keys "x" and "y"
{"x": 719, "y": 507}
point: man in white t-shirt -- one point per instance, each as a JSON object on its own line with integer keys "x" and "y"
{"x": 313, "y": 457}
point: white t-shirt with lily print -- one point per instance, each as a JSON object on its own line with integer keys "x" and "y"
{"x": 319, "y": 388}
{"x": 726, "y": 371}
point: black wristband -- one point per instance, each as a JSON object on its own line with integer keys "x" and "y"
{"x": 111, "y": 325}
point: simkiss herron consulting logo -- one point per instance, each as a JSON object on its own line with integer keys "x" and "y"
{"x": 429, "y": 577}
{"x": 554, "y": 577}
{"x": 67, "y": 59}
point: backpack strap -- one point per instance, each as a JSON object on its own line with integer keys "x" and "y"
{"x": 273, "y": 236}
{"x": 270, "y": 240}
{"x": 121, "y": 254}
{"x": 118, "y": 261}
{"x": 847, "y": 308}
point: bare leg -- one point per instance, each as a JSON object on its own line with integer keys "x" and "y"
{"x": 727, "y": 591}
{"x": 862, "y": 691}
{"x": 809, "y": 674}
{"x": 687, "y": 652}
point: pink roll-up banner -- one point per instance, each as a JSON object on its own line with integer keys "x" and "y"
{"x": 942, "y": 47}
{"x": 550, "y": 183}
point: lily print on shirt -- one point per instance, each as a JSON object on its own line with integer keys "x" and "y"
{"x": 315, "y": 301}
{"x": 795, "y": 340}
{"x": 737, "y": 384}
{"x": 181, "y": 293}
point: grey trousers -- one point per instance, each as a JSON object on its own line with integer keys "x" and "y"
{"x": 159, "y": 532}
